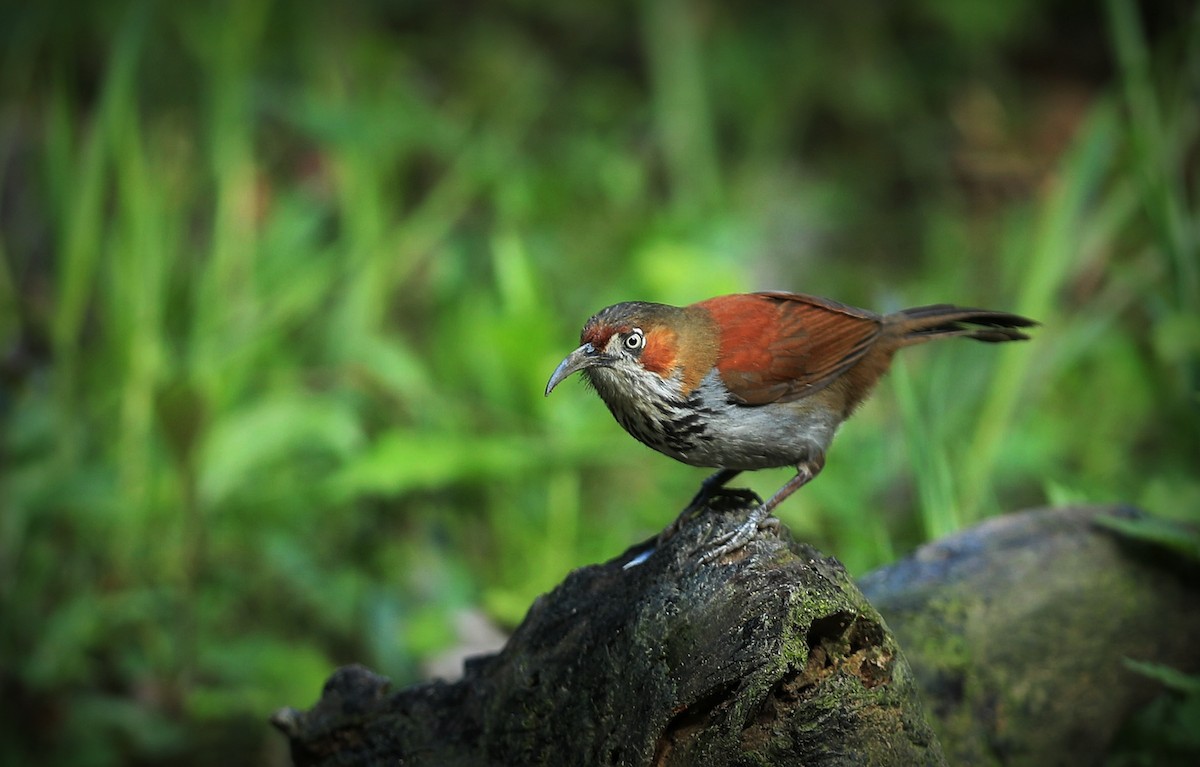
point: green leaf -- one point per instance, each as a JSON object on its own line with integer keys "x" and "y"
{"x": 1164, "y": 532}
{"x": 1188, "y": 684}
{"x": 277, "y": 428}
{"x": 400, "y": 461}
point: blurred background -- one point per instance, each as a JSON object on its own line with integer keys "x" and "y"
{"x": 281, "y": 285}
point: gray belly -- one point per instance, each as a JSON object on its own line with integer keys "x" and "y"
{"x": 706, "y": 430}
{"x": 762, "y": 437}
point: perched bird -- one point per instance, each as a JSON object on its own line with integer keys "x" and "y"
{"x": 753, "y": 381}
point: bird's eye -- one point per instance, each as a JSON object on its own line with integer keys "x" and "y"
{"x": 635, "y": 340}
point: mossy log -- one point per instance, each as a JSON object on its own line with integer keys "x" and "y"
{"x": 771, "y": 657}
{"x": 1019, "y": 629}
{"x": 1017, "y": 632}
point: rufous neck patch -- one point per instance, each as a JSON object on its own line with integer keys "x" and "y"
{"x": 688, "y": 350}
{"x": 661, "y": 352}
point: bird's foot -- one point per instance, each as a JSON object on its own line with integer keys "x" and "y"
{"x": 701, "y": 500}
{"x": 709, "y": 489}
{"x": 760, "y": 519}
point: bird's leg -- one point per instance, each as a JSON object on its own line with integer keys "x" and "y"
{"x": 711, "y": 485}
{"x": 761, "y": 517}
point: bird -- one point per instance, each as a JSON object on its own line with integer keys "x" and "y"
{"x": 753, "y": 381}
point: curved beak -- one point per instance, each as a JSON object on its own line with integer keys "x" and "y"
{"x": 585, "y": 356}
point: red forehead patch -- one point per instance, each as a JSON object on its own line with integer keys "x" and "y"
{"x": 598, "y": 334}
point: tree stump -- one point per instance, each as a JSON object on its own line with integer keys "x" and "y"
{"x": 772, "y": 656}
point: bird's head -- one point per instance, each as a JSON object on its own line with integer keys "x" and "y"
{"x": 627, "y": 342}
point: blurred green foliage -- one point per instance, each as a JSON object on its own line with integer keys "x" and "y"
{"x": 281, "y": 285}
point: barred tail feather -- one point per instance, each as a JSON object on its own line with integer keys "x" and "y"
{"x": 928, "y": 323}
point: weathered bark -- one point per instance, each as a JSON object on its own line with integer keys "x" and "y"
{"x": 1017, "y": 630}
{"x": 773, "y": 657}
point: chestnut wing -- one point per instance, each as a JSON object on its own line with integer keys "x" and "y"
{"x": 779, "y": 347}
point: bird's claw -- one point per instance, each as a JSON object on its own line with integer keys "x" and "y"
{"x": 700, "y": 501}
{"x": 760, "y": 519}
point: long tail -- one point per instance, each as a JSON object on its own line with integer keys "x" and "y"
{"x": 929, "y": 323}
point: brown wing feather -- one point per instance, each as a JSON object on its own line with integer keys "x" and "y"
{"x": 778, "y": 347}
